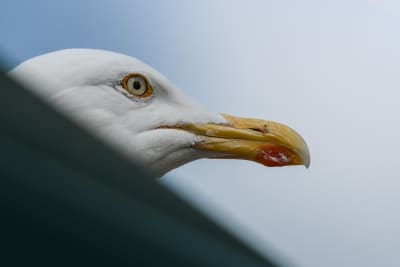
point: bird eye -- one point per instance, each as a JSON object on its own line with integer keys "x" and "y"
{"x": 137, "y": 85}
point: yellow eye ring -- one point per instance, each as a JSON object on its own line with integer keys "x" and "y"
{"x": 137, "y": 85}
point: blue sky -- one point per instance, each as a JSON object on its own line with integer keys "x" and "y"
{"x": 329, "y": 69}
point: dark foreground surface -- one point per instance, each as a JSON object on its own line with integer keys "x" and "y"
{"x": 67, "y": 199}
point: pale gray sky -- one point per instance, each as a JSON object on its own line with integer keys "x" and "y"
{"x": 329, "y": 69}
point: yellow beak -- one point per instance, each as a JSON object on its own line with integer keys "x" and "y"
{"x": 269, "y": 143}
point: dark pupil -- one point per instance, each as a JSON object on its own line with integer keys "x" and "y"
{"x": 137, "y": 85}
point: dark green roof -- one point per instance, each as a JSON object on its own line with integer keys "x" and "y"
{"x": 68, "y": 199}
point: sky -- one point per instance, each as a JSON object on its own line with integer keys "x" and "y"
{"x": 328, "y": 69}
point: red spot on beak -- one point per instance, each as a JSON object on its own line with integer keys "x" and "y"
{"x": 274, "y": 156}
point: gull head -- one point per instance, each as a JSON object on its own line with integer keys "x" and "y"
{"x": 134, "y": 108}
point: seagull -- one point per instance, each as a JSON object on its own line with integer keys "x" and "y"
{"x": 134, "y": 108}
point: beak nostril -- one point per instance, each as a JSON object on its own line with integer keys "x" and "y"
{"x": 259, "y": 130}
